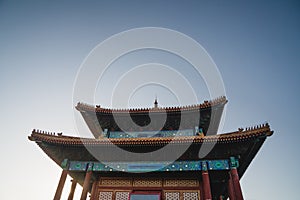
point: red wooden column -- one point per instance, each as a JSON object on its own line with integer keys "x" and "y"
{"x": 236, "y": 184}
{"x": 201, "y": 190}
{"x": 86, "y": 185}
{"x": 230, "y": 188}
{"x": 60, "y": 185}
{"x": 205, "y": 182}
{"x": 94, "y": 191}
{"x": 235, "y": 179}
{"x": 73, "y": 186}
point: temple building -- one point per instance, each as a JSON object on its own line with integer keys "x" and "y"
{"x": 171, "y": 153}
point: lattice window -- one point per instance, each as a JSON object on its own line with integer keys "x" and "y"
{"x": 172, "y": 196}
{"x": 116, "y": 182}
{"x": 105, "y": 195}
{"x": 124, "y": 195}
{"x": 180, "y": 183}
{"x": 147, "y": 182}
{"x": 190, "y": 196}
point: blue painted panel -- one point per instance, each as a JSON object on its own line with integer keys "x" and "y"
{"x": 144, "y": 197}
{"x": 218, "y": 164}
{"x": 141, "y": 167}
{"x": 149, "y": 166}
{"x": 143, "y": 134}
{"x": 78, "y": 166}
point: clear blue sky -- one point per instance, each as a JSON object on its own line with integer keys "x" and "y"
{"x": 255, "y": 45}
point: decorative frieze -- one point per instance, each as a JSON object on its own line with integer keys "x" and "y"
{"x": 147, "y": 182}
{"x": 203, "y": 165}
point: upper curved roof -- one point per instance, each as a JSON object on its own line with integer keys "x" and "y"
{"x": 206, "y": 115}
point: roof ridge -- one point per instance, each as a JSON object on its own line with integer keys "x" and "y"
{"x": 252, "y": 129}
{"x": 87, "y": 107}
{"x": 241, "y": 134}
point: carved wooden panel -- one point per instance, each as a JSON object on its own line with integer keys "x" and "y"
{"x": 122, "y": 195}
{"x": 116, "y": 182}
{"x": 181, "y": 183}
{"x": 172, "y": 196}
{"x": 147, "y": 182}
{"x": 106, "y": 195}
{"x": 191, "y": 195}
{"x": 181, "y": 195}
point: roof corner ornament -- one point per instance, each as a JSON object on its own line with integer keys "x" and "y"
{"x": 267, "y": 125}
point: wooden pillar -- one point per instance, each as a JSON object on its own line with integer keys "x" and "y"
{"x": 201, "y": 190}
{"x": 60, "y": 185}
{"x": 94, "y": 191}
{"x": 206, "y": 182}
{"x": 234, "y": 177}
{"x": 230, "y": 188}
{"x": 73, "y": 187}
{"x": 86, "y": 185}
{"x": 236, "y": 184}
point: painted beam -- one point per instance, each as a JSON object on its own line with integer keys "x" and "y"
{"x": 146, "y": 166}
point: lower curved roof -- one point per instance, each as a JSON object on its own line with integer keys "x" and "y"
{"x": 237, "y": 136}
{"x": 242, "y": 144}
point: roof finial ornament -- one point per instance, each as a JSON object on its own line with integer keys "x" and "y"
{"x": 155, "y": 102}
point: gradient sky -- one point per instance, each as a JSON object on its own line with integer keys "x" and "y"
{"x": 255, "y": 45}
